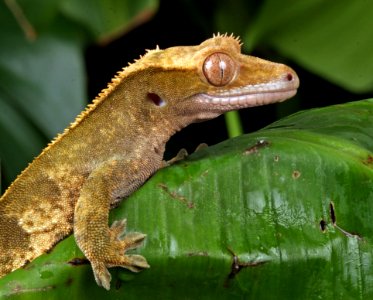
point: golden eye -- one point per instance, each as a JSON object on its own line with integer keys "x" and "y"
{"x": 219, "y": 69}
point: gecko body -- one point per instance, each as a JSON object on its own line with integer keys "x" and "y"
{"x": 118, "y": 142}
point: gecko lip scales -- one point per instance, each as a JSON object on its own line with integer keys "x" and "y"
{"x": 253, "y": 95}
{"x": 246, "y": 100}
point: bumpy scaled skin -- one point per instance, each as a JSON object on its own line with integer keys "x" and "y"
{"x": 118, "y": 142}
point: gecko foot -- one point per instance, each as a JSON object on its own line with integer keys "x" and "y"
{"x": 182, "y": 154}
{"x": 114, "y": 255}
{"x": 201, "y": 147}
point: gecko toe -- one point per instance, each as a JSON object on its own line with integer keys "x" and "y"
{"x": 133, "y": 262}
{"x": 118, "y": 228}
{"x": 133, "y": 240}
{"x": 137, "y": 263}
{"x": 102, "y": 275}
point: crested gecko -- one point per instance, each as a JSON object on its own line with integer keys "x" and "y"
{"x": 118, "y": 142}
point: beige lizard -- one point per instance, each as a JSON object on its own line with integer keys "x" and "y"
{"x": 118, "y": 142}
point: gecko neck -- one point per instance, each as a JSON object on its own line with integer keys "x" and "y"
{"x": 164, "y": 130}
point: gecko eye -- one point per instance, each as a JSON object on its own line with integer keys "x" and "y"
{"x": 219, "y": 69}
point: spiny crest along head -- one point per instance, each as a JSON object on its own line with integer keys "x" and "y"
{"x": 229, "y": 36}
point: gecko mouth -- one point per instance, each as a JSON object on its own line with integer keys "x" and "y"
{"x": 253, "y": 95}
{"x": 247, "y": 100}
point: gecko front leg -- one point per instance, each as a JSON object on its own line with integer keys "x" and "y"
{"x": 105, "y": 247}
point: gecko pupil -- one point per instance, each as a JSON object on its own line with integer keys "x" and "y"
{"x": 219, "y": 69}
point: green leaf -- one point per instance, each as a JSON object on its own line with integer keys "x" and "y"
{"x": 108, "y": 18}
{"x": 24, "y": 140}
{"x": 292, "y": 203}
{"x": 330, "y": 38}
{"x": 41, "y": 89}
{"x": 44, "y": 80}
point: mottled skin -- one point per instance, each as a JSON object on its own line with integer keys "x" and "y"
{"x": 118, "y": 142}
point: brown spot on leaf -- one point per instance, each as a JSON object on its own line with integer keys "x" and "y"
{"x": 78, "y": 261}
{"x": 69, "y": 281}
{"x": 296, "y": 174}
{"x": 237, "y": 266}
{"x": 255, "y": 148}
{"x": 205, "y": 173}
{"x": 176, "y": 196}
{"x": 369, "y": 160}
{"x": 199, "y": 253}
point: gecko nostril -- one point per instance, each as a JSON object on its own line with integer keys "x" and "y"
{"x": 289, "y": 77}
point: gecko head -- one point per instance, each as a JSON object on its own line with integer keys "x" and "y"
{"x": 232, "y": 80}
{"x": 197, "y": 83}
{"x": 240, "y": 81}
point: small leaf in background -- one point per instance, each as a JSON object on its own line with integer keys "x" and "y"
{"x": 107, "y": 19}
{"x": 42, "y": 85}
{"x": 330, "y": 38}
{"x": 17, "y": 142}
{"x": 44, "y": 80}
